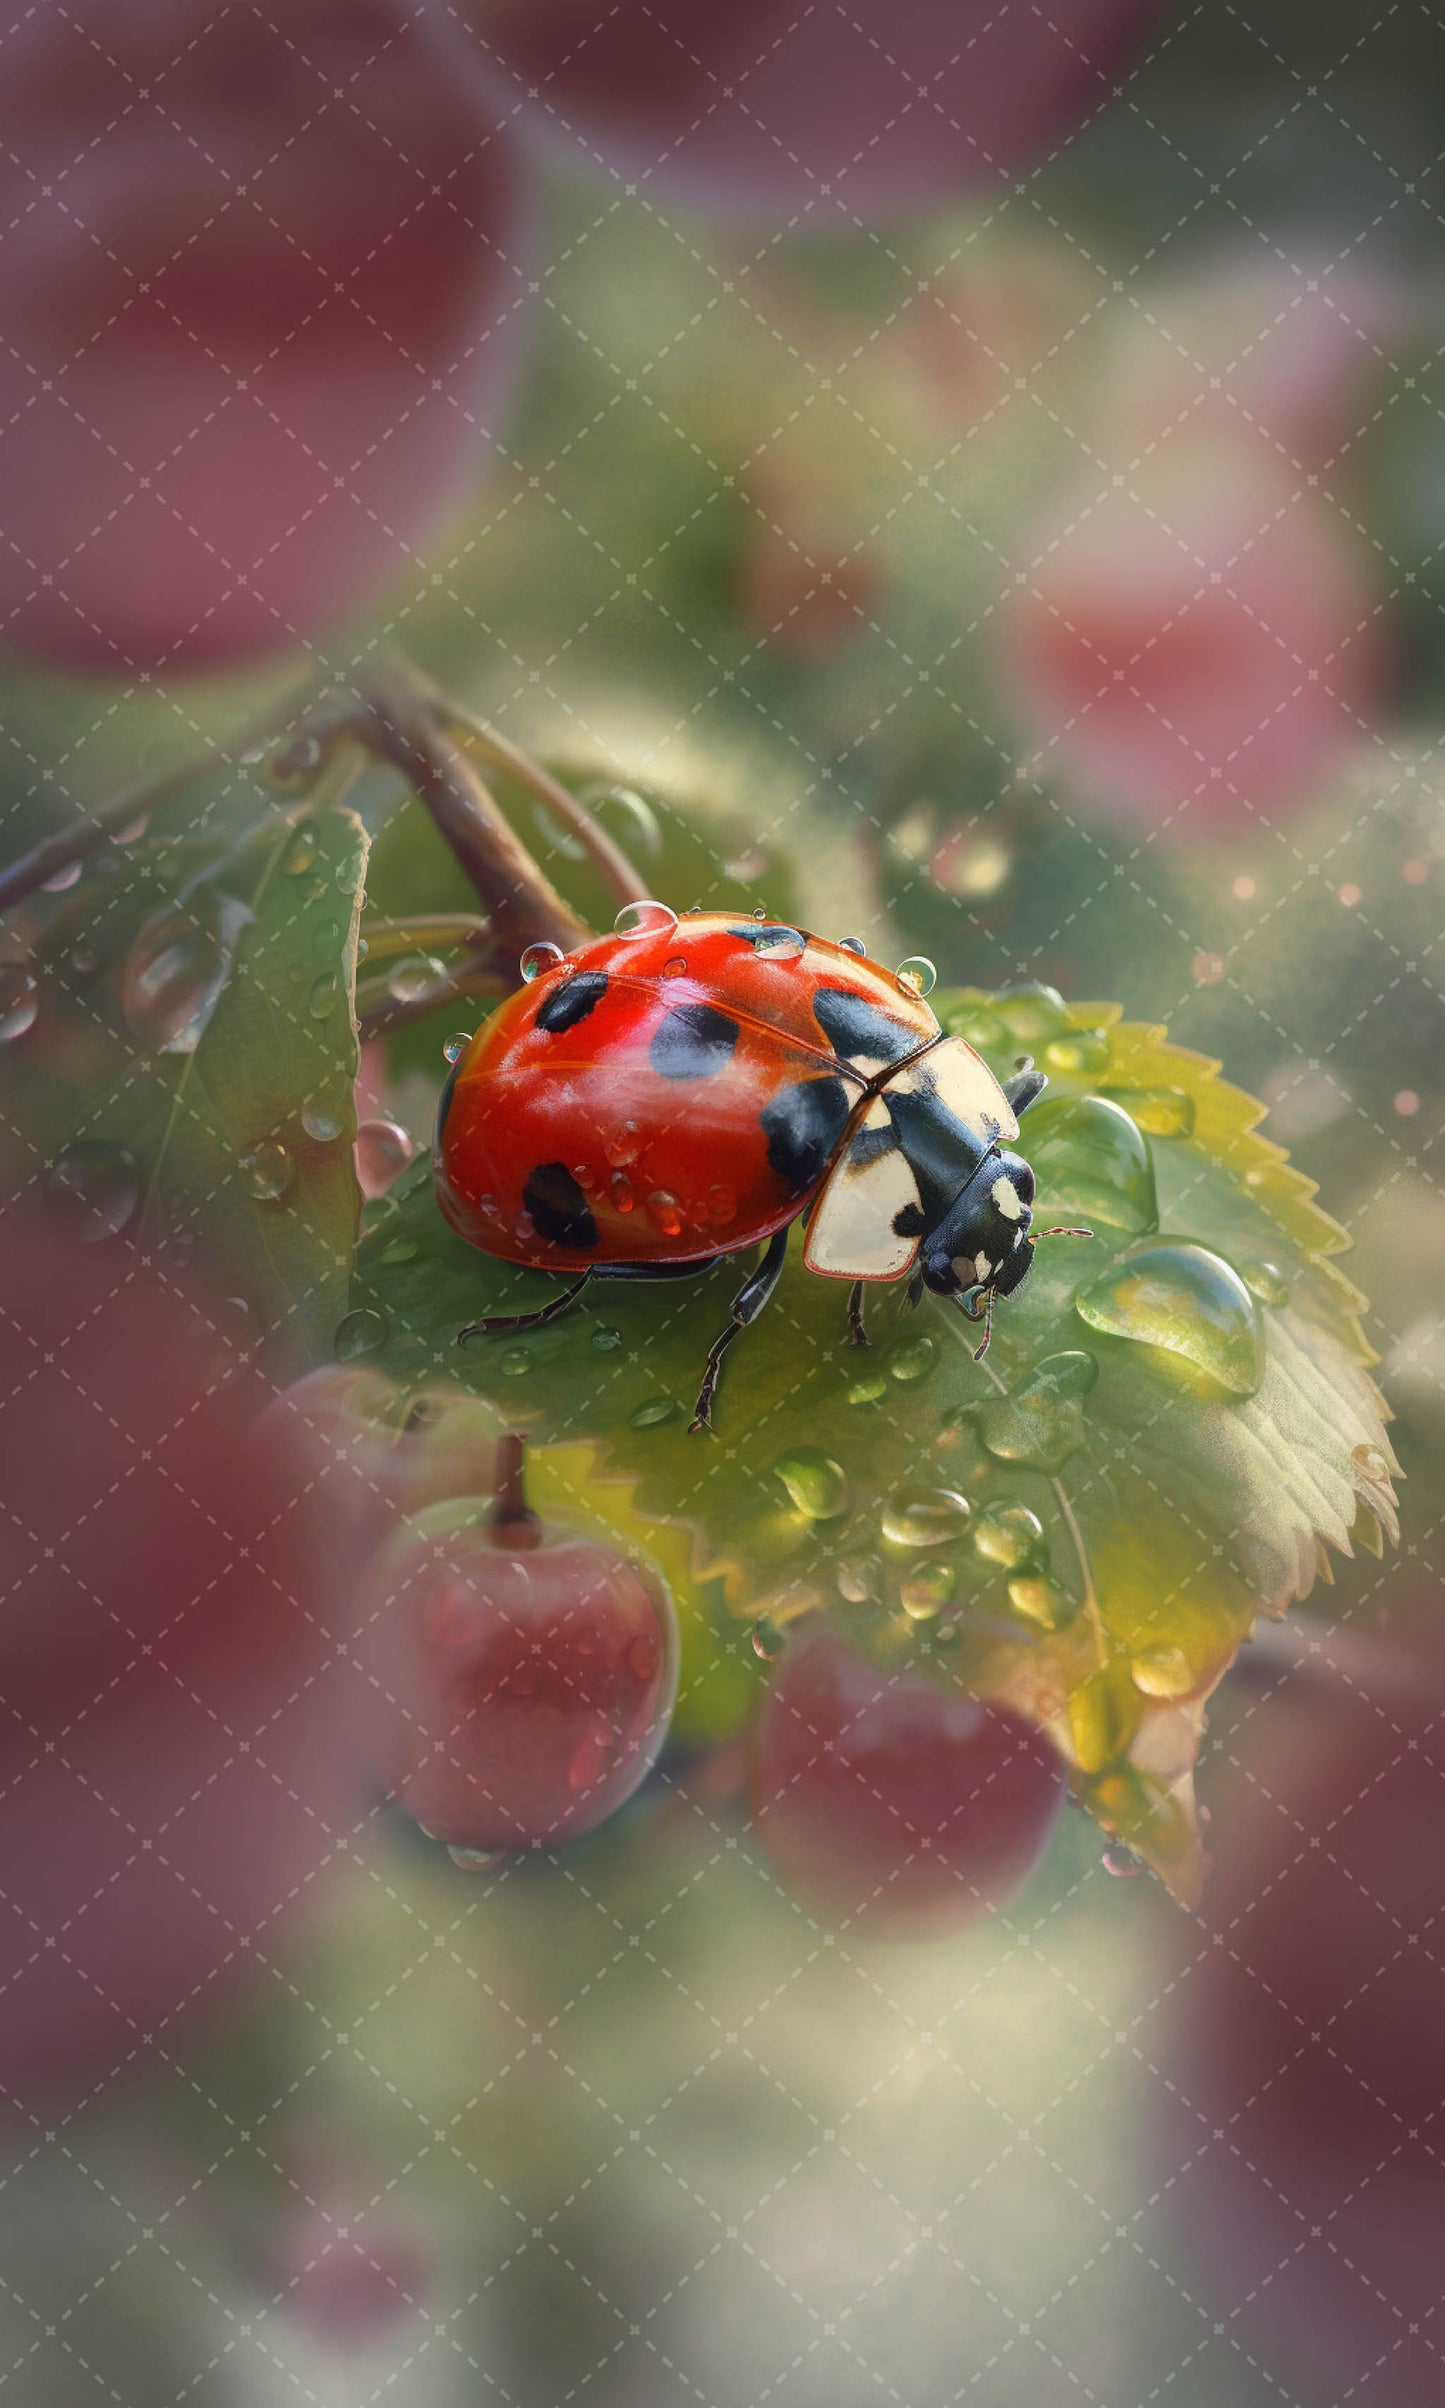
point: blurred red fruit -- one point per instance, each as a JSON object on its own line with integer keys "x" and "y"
{"x": 257, "y": 277}
{"x": 1199, "y": 639}
{"x": 900, "y": 1807}
{"x": 769, "y": 112}
{"x": 529, "y": 1673}
{"x": 177, "y": 1735}
{"x": 350, "y": 2276}
{"x": 1303, "y": 2122}
{"x": 802, "y": 605}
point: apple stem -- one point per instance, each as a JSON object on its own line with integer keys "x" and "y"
{"x": 512, "y": 1517}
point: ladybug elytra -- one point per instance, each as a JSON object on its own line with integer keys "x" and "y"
{"x": 686, "y": 1088}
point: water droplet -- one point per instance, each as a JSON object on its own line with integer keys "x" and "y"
{"x": 92, "y": 1190}
{"x": 913, "y": 1361}
{"x": 401, "y": 1250}
{"x": 300, "y": 854}
{"x": 621, "y": 1148}
{"x": 1032, "y": 1013}
{"x": 1009, "y": 1535}
{"x": 455, "y": 1046}
{"x": 383, "y": 1150}
{"x": 83, "y": 959}
{"x": 630, "y": 819}
{"x": 644, "y": 919}
{"x": 857, "y": 1579}
{"x": 1085, "y": 1051}
{"x": 676, "y": 967}
{"x": 176, "y": 967}
{"x": 1041, "y": 1421}
{"x": 19, "y": 1000}
{"x": 1267, "y": 1282}
{"x": 476, "y": 1860}
{"x": 539, "y": 959}
{"x": 1163, "y": 1672}
{"x": 64, "y": 879}
{"x": 326, "y": 941}
{"x": 760, "y": 911}
{"x": 768, "y": 1641}
{"x": 293, "y": 767}
{"x": 1185, "y": 1303}
{"x": 654, "y": 1413}
{"x": 133, "y": 830}
{"x": 588, "y": 1762}
{"x": 720, "y": 1206}
{"x": 323, "y": 1122}
{"x": 868, "y": 1391}
{"x": 1040, "y": 1601}
{"x": 917, "y": 974}
{"x": 1371, "y": 1463}
{"x": 816, "y": 1484}
{"x": 852, "y": 944}
{"x": 267, "y": 1171}
{"x": 359, "y": 1333}
{"x": 322, "y": 999}
{"x": 411, "y": 976}
{"x": 927, "y": 1590}
{"x": 925, "y": 1517}
{"x": 1090, "y": 1158}
{"x": 606, "y": 1340}
{"x": 1158, "y": 1111}
{"x": 1122, "y": 1862}
{"x": 515, "y": 1363}
{"x": 774, "y": 943}
{"x": 619, "y": 1188}
{"x": 664, "y": 1212}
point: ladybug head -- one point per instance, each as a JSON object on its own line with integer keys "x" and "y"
{"x": 982, "y": 1247}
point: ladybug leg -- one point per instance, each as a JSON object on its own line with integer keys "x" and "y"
{"x": 499, "y": 1325}
{"x": 857, "y": 1334}
{"x": 747, "y": 1304}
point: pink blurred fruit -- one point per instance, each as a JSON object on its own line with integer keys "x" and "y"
{"x": 529, "y": 1672}
{"x": 901, "y": 1808}
{"x": 257, "y": 277}
{"x": 176, "y": 1746}
{"x": 1200, "y": 639}
{"x": 770, "y": 112}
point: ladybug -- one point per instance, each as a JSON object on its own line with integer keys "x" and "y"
{"x": 688, "y": 1087}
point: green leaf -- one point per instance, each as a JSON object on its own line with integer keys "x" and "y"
{"x": 1174, "y": 1423}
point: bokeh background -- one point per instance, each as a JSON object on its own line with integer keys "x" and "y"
{"x": 1045, "y": 577}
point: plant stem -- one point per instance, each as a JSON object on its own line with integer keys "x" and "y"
{"x": 434, "y": 931}
{"x": 622, "y": 879}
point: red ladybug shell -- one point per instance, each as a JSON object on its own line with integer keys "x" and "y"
{"x": 667, "y": 1096}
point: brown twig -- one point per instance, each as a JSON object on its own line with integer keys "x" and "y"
{"x": 479, "y": 974}
{"x": 622, "y": 879}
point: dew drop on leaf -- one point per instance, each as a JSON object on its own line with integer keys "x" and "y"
{"x": 1009, "y": 1535}
{"x": 19, "y": 1000}
{"x": 1185, "y": 1302}
{"x": 913, "y": 1361}
{"x": 92, "y": 1190}
{"x": 1158, "y": 1111}
{"x": 401, "y": 1250}
{"x": 1041, "y": 1421}
{"x": 515, "y": 1363}
{"x": 321, "y": 1121}
{"x": 324, "y": 993}
{"x": 1266, "y": 1282}
{"x": 1032, "y": 1013}
{"x": 868, "y": 1391}
{"x": 300, "y": 854}
{"x": 1085, "y": 1051}
{"x": 1371, "y": 1462}
{"x": 1163, "y": 1671}
{"x": 767, "y": 1641}
{"x": 644, "y": 919}
{"x": 383, "y": 1150}
{"x": 1040, "y": 1601}
{"x": 924, "y": 1517}
{"x": 1090, "y": 1157}
{"x": 360, "y": 1333}
{"x": 926, "y": 1591}
{"x": 176, "y": 968}
{"x": 656, "y": 1411}
{"x": 267, "y": 1171}
{"x": 815, "y": 1484}
{"x": 605, "y": 1340}
{"x": 856, "y": 1579}
{"x": 539, "y": 959}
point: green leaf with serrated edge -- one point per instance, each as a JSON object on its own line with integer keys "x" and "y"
{"x": 1174, "y": 1422}
{"x": 223, "y": 1126}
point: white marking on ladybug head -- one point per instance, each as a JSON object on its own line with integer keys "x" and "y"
{"x": 1007, "y": 1198}
{"x": 981, "y": 1266}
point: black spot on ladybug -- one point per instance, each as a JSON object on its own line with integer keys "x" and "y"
{"x": 694, "y": 1042}
{"x": 802, "y": 1126}
{"x": 558, "y": 1207}
{"x": 910, "y": 1222}
{"x": 572, "y": 1001}
{"x": 856, "y": 1028}
{"x": 444, "y": 1101}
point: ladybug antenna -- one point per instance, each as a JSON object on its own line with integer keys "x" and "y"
{"x": 983, "y": 1346}
{"x": 976, "y": 1304}
{"x": 512, "y": 1517}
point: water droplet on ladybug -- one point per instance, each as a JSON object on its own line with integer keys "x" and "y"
{"x": 779, "y": 944}
{"x": 19, "y": 1000}
{"x": 664, "y": 1212}
{"x": 267, "y": 1171}
{"x": 359, "y": 1333}
{"x": 644, "y": 919}
{"x": 585, "y": 1177}
{"x": 619, "y": 1188}
{"x": 675, "y": 968}
{"x": 588, "y": 1763}
{"x": 722, "y": 1206}
{"x": 539, "y": 959}
{"x": 760, "y": 911}
{"x": 622, "y": 1146}
{"x": 489, "y": 1208}
{"x": 917, "y": 974}
{"x": 852, "y": 944}
{"x": 383, "y": 1150}
{"x": 63, "y": 880}
{"x": 455, "y": 1047}
{"x": 92, "y": 1190}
